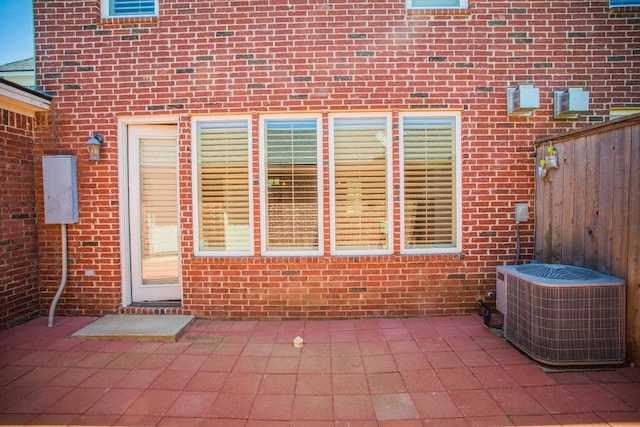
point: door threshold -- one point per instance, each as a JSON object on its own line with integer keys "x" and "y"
{"x": 158, "y": 304}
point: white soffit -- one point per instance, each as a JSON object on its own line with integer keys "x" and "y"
{"x": 21, "y": 101}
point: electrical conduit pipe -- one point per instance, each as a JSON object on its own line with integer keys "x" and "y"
{"x": 63, "y": 280}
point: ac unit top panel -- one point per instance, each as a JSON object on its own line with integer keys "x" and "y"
{"x": 560, "y": 275}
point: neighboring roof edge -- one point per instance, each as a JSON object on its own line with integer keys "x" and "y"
{"x": 612, "y": 124}
{"x": 28, "y": 64}
{"x": 19, "y": 99}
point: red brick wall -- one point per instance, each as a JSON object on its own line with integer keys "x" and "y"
{"x": 202, "y": 57}
{"x": 19, "y": 292}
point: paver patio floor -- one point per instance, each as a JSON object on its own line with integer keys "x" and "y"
{"x": 434, "y": 371}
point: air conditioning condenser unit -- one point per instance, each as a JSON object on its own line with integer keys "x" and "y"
{"x": 563, "y": 315}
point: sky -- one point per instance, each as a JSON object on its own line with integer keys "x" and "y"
{"x": 16, "y": 30}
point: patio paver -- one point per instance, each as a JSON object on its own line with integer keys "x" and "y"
{"x": 442, "y": 371}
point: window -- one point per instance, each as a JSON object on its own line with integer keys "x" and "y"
{"x": 290, "y": 184}
{"x": 430, "y": 183}
{"x": 360, "y": 184}
{"x": 121, "y": 8}
{"x": 619, "y": 3}
{"x": 222, "y": 178}
{"x": 436, "y": 4}
{"x": 616, "y": 113}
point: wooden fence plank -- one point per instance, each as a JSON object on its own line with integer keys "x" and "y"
{"x": 605, "y": 201}
{"x": 579, "y": 197}
{"x": 591, "y": 177}
{"x": 620, "y": 192}
{"x": 555, "y": 186}
{"x": 541, "y": 214}
{"x": 568, "y": 171}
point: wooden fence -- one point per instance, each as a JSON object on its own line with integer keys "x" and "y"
{"x": 588, "y": 209}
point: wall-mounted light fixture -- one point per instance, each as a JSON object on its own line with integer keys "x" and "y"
{"x": 93, "y": 145}
{"x": 521, "y": 101}
{"x": 569, "y": 103}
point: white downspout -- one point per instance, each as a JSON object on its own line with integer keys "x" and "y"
{"x": 63, "y": 280}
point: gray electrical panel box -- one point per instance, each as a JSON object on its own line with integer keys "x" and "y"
{"x": 522, "y": 212}
{"x": 60, "y": 182}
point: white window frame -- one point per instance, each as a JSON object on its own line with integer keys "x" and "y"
{"x": 389, "y": 177}
{"x": 457, "y": 248}
{"x": 462, "y": 4}
{"x": 196, "y": 185}
{"x": 263, "y": 185}
{"x": 105, "y": 6}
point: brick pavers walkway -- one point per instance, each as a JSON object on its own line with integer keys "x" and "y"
{"x": 439, "y": 371}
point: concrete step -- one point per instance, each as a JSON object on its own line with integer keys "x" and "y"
{"x": 137, "y": 327}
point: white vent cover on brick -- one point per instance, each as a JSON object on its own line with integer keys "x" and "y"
{"x": 564, "y": 315}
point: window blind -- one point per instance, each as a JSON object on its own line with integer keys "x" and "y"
{"x": 436, "y": 4}
{"x": 429, "y": 182}
{"x": 624, "y": 3}
{"x": 360, "y": 183}
{"x": 223, "y": 177}
{"x": 159, "y": 209}
{"x": 291, "y": 184}
{"x": 132, "y": 7}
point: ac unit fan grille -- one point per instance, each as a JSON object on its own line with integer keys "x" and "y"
{"x": 562, "y": 272}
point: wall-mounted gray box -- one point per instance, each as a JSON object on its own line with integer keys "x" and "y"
{"x": 60, "y": 183}
{"x": 570, "y": 103}
{"x": 521, "y": 101}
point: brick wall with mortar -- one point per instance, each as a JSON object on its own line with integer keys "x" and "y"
{"x": 19, "y": 292}
{"x": 301, "y": 55}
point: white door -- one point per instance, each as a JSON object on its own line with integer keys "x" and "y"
{"x": 153, "y": 211}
